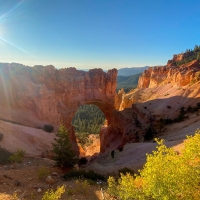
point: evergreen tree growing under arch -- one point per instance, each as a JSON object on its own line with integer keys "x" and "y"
{"x": 62, "y": 149}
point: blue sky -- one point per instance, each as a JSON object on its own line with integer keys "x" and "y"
{"x": 97, "y": 33}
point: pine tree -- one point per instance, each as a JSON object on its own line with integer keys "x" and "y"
{"x": 64, "y": 155}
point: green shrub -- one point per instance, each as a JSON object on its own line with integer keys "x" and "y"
{"x": 84, "y": 174}
{"x": 48, "y": 128}
{"x": 1, "y": 136}
{"x": 82, "y": 186}
{"x": 54, "y": 195}
{"x": 18, "y": 156}
{"x": 70, "y": 191}
{"x": 4, "y": 156}
{"x": 82, "y": 161}
{"x": 43, "y": 172}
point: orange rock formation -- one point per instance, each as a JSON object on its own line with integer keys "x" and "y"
{"x": 35, "y": 96}
{"x": 177, "y": 75}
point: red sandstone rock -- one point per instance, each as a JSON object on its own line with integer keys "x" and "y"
{"x": 177, "y": 75}
{"x": 42, "y": 95}
{"x": 35, "y": 96}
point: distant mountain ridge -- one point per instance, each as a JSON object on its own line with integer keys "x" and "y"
{"x": 131, "y": 71}
{"x": 128, "y": 82}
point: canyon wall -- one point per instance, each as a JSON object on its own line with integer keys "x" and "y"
{"x": 177, "y": 75}
{"x": 161, "y": 93}
{"x": 35, "y": 96}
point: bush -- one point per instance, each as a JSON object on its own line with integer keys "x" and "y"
{"x": 43, "y": 172}
{"x": 82, "y": 161}
{"x": 150, "y": 133}
{"x": 48, "y": 128}
{"x": 125, "y": 170}
{"x": 84, "y": 174}
{"x": 166, "y": 175}
{"x": 4, "y": 156}
{"x": 17, "y": 156}
{"x": 112, "y": 187}
{"x": 51, "y": 195}
{"x": 82, "y": 186}
{"x": 70, "y": 191}
{"x": 1, "y": 136}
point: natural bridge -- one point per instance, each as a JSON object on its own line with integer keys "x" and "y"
{"x": 35, "y": 96}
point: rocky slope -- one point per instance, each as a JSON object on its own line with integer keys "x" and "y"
{"x": 133, "y": 155}
{"x": 161, "y": 93}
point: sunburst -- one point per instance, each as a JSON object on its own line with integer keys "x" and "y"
{"x": 3, "y": 19}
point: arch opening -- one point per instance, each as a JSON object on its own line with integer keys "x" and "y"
{"x": 87, "y": 123}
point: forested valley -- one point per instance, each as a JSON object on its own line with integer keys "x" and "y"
{"x": 87, "y": 120}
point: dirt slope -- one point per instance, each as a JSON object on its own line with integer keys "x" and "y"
{"x": 134, "y": 154}
{"x": 34, "y": 141}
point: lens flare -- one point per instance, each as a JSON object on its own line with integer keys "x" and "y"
{"x": 5, "y": 15}
{"x": 17, "y": 47}
{"x": 4, "y": 91}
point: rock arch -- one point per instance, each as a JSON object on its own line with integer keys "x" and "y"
{"x": 38, "y": 95}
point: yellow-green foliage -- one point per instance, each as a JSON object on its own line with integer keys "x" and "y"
{"x": 127, "y": 187}
{"x": 166, "y": 175}
{"x": 43, "y": 172}
{"x": 17, "y": 157}
{"x": 15, "y": 196}
{"x": 112, "y": 186}
{"x": 54, "y": 195}
{"x": 82, "y": 186}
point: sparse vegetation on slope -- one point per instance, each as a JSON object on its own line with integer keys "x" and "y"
{"x": 54, "y": 195}
{"x": 4, "y": 156}
{"x": 182, "y": 114}
{"x": 18, "y": 156}
{"x": 73, "y": 174}
{"x": 188, "y": 56}
{"x": 48, "y": 128}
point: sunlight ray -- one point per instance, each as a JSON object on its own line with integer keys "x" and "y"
{"x": 17, "y": 47}
{"x": 4, "y": 91}
{"x": 12, "y": 9}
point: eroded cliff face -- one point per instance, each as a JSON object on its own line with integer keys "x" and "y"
{"x": 161, "y": 93}
{"x": 35, "y": 96}
{"x": 177, "y": 75}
